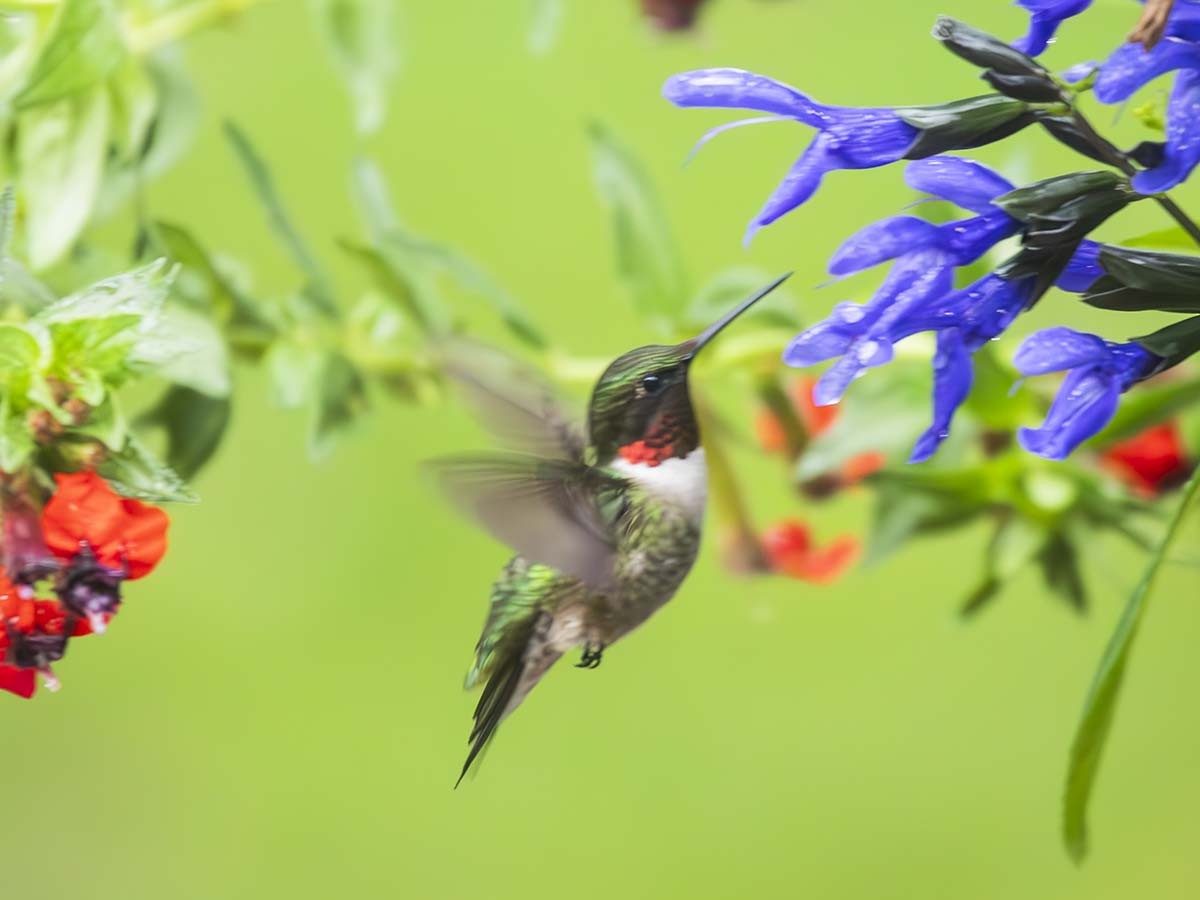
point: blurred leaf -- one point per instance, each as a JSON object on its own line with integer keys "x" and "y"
{"x": 341, "y": 399}
{"x": 194, "y": 423}
{"x": 728, "y": 288}
{"x": 60, "y": 152}
{"x": 881, "y": 415}
{"x": 1048, "y": 196}
{"x": 360, "y": 35}
{"x": 136, "y": 472}
{"x": 134, "y": 104}
{"x": 545, "y": 25}
{"x": 84, "y": 47}
{"x": 1100, "y": 706}
{"x": 903, "y": 511}
{"x": 19, "y": 350}
{"x": 292, "y": 370}
{"x": 1148, "y": 404}
{"x": 16, "y": 443}
{"x": 139, "y": 292}
{"x": 106, "y": 424}
{"x": 647, "y": 258}
{"x": 318, "y": 288}
{"x": 1013, "y": 546}
{"x": 1059, "y": 562}
{"x": 395, "y": 285}
{"x": 185, "y": 348}
{"x": 1165, "y": 238}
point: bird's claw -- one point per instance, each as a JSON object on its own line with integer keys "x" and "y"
{"x": 592, "y": 654}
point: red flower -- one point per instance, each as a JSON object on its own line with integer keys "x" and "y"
{"x": 789, "y": 549}
{"x": 33, "y": 635}
{"x": 122, "y": 534}
{"x": 1150, "y": 462}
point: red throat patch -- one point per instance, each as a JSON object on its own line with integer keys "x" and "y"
{"x": 646, "y": 454}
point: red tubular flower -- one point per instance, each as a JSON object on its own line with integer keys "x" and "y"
{"x": 1152, "y": 461}
{"x": 122, "y": 534}
{"x": 34, "y": 635}
{"x": 789, "y": 549}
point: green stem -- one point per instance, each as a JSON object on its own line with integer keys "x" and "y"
{"x": 744, "y": 552}
{"x": 183, "y": 22}
{"x": 779, "y": 404}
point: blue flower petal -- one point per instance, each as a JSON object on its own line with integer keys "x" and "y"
{"x": 952, "y": 377}
{"x": 1083, "y": 269}
{"x": 1045, "y": 17}
{"x": 1184, "y": 21}
{"x": 1131, "y": 66}
{"x": 739, "y": 89}
{"x": 1058, "y": 348}
{"x": 828, "y": 338}
{"x": 1085, "y": 403}
{"x": 866, "y": 138}
{"x": 1183, "y": 137}
{"x": 969, "y": 239}
{"x": 963, "y": 182}
{"x": 798, "y": 185}
{"x": 881, "y": 241}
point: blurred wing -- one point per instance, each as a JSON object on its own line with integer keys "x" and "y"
{"x": 514, "y": 401}
{"x": 554, "y": 512}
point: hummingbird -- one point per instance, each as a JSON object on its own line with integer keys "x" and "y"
{"x": 605, "y": 522}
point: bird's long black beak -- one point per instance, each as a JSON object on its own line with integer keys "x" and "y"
{"x": 697, "y": 343}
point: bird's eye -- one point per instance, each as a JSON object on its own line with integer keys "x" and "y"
{"x": 651, "y": 384}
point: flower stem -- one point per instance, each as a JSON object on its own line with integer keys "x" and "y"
{"x": 1118, "y": 158}
{"x": 742, "y": 551}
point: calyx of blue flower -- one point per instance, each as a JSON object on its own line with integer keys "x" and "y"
{"x": 963, "y": 124}
{"x": 1006, "y": 68}
{"x": 1047, "y": 196}
{"x": 1173, "y": 344}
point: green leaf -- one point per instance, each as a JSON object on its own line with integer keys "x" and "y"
{"x": 1014, "y": 544}
{"x": 139, "y": 292}
{"x": 1165, "y": 238}
{"x": 107, "y": 424}
{"x": 1100, "y": 706}
{"x": 318, "y": 289}
{"x": 360, "y": 35}
{"x": 292, "y": 370}
{"x": 1175, "y": 342}
{"x": 85, "y": 46}
{"x": 1148, "y": 404}
{"x": 195, "y": 424}
{"x": 341, "y": 399}
{"x": 1059, "y": 562}
{"x": 729, "y": 287}
{"x": 396, "y": 286}
{"x": 134, "y": 104}
{"x": 19, "y": 350}
{"x": 60, "y": 152}
{"x": 903, "y": 512}
{"x": 16, "y": 442}
{"x": 1149, "y": 270}
{"x": 185, "y": 348}
{"x": 136, "y": 472}
{"x": 647, "y": 258}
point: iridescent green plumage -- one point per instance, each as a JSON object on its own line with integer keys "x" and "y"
{"x": 605, "y": 529}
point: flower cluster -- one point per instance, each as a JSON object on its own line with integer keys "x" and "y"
{"x": 1052, "y": 218}
{"x": 63, "y": 569}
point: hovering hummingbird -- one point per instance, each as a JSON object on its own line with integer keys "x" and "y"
{"x": 606, "y": 527}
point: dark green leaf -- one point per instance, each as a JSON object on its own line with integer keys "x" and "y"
{"x": 84, "y": 47}
{"x": 1100, "y": 706}
{"x": 1149, "y": 270}
{"x": 1059, "y": 562}
{"x": 194, "y": 423}
{"x": 318, "y": 288}
{"x": 135, "y": 472}
{"x": 647, "y": 258}
{"x": 1174, "y": 343}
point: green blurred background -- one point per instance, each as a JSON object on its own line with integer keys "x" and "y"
{"x": 279, "y": 712}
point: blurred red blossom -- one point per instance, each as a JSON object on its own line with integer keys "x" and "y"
{"x": 1152, "y": 461}
{"x": 671, "y": 15}
{"x": 789, "y": 549}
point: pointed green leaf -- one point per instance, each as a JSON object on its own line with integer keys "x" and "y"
{"x": 647, "y": 258}
{"x": 60, "y": 152}
{"x": 184, "y": 347}
{"x": 84, "y": 47}
{"x": 1100, "y": 706}
{"x": 134, "y": 104}
{"x": 195, "y": 424}
{"x": 341, "y": 400}
{"x": 319, "y": 289}
{"x": 1015, "y": 542}
{"x": 16, "y": 443}
{"x": 292, "y": 370}
{"x": 136, "y": 472}
{"x": 1174, "y": 238}
{"x": 1059, "y": 562}
{"x": 361, "y": 37}
{"x": 19, "y": 350}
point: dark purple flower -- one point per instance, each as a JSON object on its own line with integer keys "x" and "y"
{"x": 848, "y": 137}
{"x": 1044, "y": 18}
{"x": 1098, "y": 372}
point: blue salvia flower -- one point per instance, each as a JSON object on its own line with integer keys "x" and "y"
{"x": 1044, "y": 18}
{"x": 917, "y": 294}
{"x": 1083, "y": 269}
{"x": 847, "y": 138}
{"x": 1098, "y": 372}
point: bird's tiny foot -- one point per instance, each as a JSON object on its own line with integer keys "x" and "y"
{"x": 592, "y": 653}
